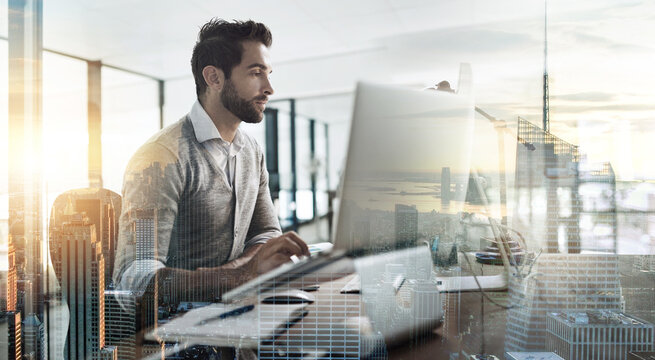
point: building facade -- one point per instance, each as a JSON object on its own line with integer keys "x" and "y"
{"x": 559, "y": 282}
{"x": 597, "y": 335}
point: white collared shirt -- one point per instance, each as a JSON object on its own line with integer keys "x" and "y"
{"x": 223, "y": 152}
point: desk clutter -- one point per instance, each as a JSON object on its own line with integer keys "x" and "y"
{"x": 399, "y": 298}
{"x": 231, "y": 324}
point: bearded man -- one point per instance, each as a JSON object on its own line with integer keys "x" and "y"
{"x": 197, "y": 216}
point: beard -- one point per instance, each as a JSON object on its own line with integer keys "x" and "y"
{"x": 243, "y": 109}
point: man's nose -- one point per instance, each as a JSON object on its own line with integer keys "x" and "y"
{"x": 268, "y": 87}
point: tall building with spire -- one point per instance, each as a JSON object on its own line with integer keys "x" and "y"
{"x": 546, "y": 110}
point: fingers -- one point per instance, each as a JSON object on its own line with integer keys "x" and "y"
{"x": 272, "y": 262}
{"x": 293, "y": 236}
{"x": 278, "y": 251}
{"x": 289, "y": 243}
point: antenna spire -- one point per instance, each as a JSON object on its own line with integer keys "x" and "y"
{"x": 546, "y": 120}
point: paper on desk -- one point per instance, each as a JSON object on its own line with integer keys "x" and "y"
{"x": 264, "y": 322}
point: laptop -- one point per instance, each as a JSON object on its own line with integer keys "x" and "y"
{"x": 408, "y": 155}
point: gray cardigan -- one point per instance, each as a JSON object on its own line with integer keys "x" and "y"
{"x": 179, "y": 212}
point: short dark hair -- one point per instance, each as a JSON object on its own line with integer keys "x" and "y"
{"x": 220, "y": 44}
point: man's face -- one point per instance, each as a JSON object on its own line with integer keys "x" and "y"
{"x": 246, "y": 92}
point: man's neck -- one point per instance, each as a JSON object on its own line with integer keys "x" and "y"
{"x": 225, "y": 121}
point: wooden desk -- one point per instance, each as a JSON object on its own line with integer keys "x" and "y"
{"x": 331, "y": 328}
{"x": 325, "y": 328}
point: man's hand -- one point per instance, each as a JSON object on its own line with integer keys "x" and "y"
{"x": 256, "y": 260}
{"x": 276, "y": 252}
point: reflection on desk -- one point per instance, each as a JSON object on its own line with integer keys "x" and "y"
{"x": 335, "y": 324}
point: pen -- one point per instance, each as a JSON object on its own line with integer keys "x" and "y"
{"x": 227, "y": 314}
{"x": 398, "y": 282}
{"x": 237, "y": 311}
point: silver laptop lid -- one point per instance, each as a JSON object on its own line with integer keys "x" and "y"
{"x": 408, "y": 155}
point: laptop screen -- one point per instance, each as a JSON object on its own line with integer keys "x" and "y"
{"x": 407, "y": 168}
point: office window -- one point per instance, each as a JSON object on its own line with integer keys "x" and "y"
{"x": 4, "y": 152}
{"x": 321, "y": 167}
{"x": 303, "y": 170}
{"x": 338, "y": 141}
{"x": 257, "y": 132}
{"x": 179, "y": 96}
{"x": 285, "y": 203}
{"x": 65, "y": 130}
{"x": 130, "y": 115}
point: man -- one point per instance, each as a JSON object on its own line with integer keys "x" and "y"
{"x": 197, "y": 215}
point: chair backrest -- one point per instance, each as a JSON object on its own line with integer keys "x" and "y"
{"x": 80, "y": 208}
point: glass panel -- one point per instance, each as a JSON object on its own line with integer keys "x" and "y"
{"x": 555, "y": 240}
{"x": 338, "y": 141}
{"x": 179, "y": 95}
{"x": 130, "y": 115}
{"x": 65, "y": 125}
{"x": 4, "y": 154}
{"x": 257, "y": 132}
{"x": 303, "y": 170}
{"x": 321, "y": 169}
{"x": 285, "y": 203}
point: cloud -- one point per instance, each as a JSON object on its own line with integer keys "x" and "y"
{"x": 463, "y": 40}
{"x": 585, "y": 96}
{"x": 643, "y": 125}
{"x": 595, "y": 125}
{"x": 606, "y": 126}
{"x": 580, "y": 109}
{"x": 588, "y": 39}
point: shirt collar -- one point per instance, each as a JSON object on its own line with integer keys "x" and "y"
{"x": 204, "y": 127}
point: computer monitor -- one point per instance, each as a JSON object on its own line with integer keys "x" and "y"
{"x": 406, "y": 171}
{"x": 407, "y": 168}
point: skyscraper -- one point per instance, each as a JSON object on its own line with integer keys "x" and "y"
{"x": 120, "y": 324}
{"x": 644, "y": 263}
{"x": 26, "y": 232}
{"x": 34, "y": 334}
{"x": 598, "y": 334}
{"x": 11, "y": 276}
{"x": 406, "y": 229}
{"x": 544, "y": 164}
{"x": 145, "y": 223}
{"x": 82, "y": 285}
{"x": 14, "y": 335}
{"x": 445, "y": 186}
{"x": 12, "y": 345}
{"x": 559, "y": 282}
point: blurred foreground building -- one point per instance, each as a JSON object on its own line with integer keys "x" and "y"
{"x": 559, "y": 282}
{"x": 597, "y": 335}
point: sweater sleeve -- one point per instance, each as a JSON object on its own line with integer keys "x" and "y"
{"x": 264, "y": 224}
{"x": 152, "y": 187}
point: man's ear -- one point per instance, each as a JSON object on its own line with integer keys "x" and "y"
{"x": 214, "y": 77}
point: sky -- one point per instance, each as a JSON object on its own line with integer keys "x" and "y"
{"x": 600, "y": 71}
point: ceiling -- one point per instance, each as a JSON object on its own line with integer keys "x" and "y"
{"x": 321, "y": 48}
{"x": 156, "y": 37}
